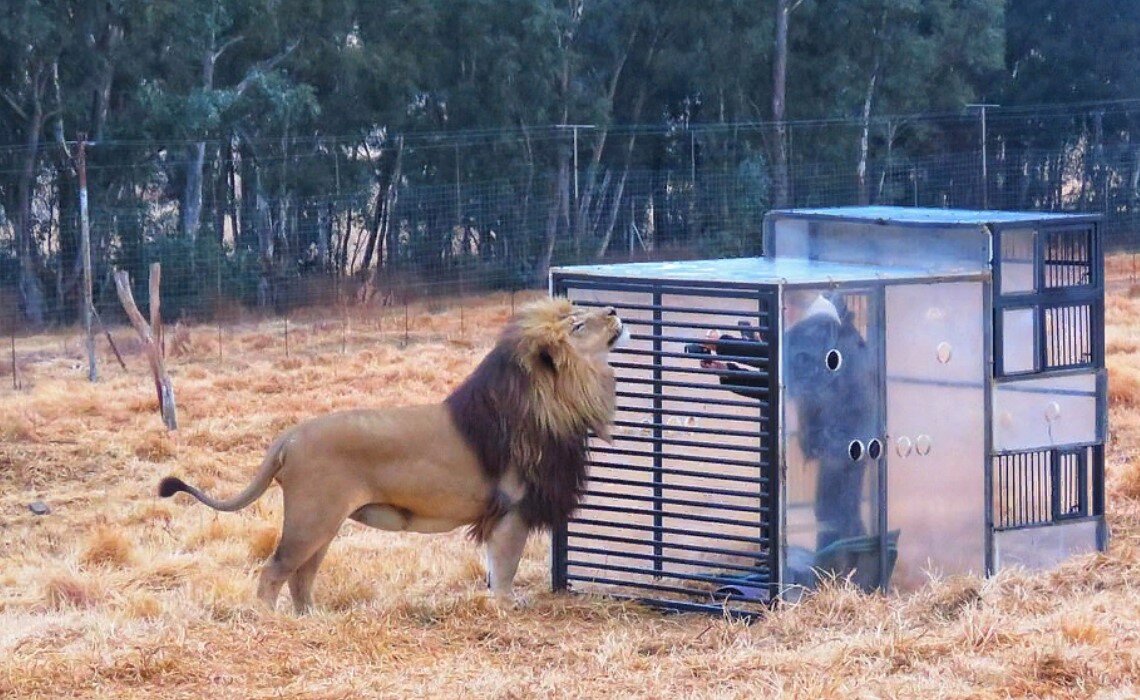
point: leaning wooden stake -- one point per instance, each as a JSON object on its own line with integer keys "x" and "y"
{"x": 151, "y": 335}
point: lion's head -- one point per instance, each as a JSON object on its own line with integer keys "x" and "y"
{"x": 527, "y": 409}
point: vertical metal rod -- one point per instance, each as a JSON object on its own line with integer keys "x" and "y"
{"x": 575, "y": 172}
{"x": 880, "y": 301}
{"x": 559, "y": 534}
{"x": 658, "y": 421}
{"x": 458, "y": 197}
{"x": 1055, "y": 486}
{"x": 776, "y": 490}
{"x": 218, "y": 281}
{"x": 85, "y": 253}
{"x": 15, "y": 379}
{"x": 286, "y": 336}
{"x": 991, "y": 348}
{"x": 693, "y": 159}
{"x": 985, "y": 165}
{"x": 985, "y": 161}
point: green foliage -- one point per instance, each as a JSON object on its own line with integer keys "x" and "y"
{"x": 429, "y": 124}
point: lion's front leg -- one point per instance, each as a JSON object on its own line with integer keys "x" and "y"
{"x": 504, "y": 550}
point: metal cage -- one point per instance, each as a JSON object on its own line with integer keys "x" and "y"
{"x": 971, "y": 424}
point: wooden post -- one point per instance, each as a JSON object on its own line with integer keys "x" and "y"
{"x": 151, "y": 335}
{"x": 85, "y": 254}
{"x": 15, "y": 377}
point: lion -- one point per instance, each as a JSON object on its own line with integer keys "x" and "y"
{"x": 503, "y": 455}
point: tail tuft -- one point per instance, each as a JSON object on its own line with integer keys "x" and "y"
{"x": 170, "y": 486}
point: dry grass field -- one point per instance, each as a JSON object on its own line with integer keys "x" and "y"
{"x": 116, "y": 593}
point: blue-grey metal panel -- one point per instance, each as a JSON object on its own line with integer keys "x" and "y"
{"x": 781, "y": 271}
{"x": 930, "y": 216}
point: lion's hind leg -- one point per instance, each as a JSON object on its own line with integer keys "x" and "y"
{"x": 307, "y": 530}
{"x": 301, "y": 582}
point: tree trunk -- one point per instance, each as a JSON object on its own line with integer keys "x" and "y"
{"x": 192, "y": 192}
{"x": 779, "y": 87}
{"x": 865, "y": 138}
{"x": 377, "y": 220}
{"x": 31, "y": 287}
{"x": 390, "y": 238}
{"x": 616, "y": 206}
{"x": 266, "y": 247}
{"x": 558, "y": 209}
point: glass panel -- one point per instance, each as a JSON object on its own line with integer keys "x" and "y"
{"x": 936, "y": 421}
{"x": 830, "y": 363}
{"x": 1033, "y": 413}
{"x": 1044, "y": 547}
{"x": 1018, "y": 340}
{"x": 790, "y": 239}
{"x": 932, "y": 248}
{"x": 1018, "y": 257}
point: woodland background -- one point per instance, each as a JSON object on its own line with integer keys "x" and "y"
{"x": 283, "y": 153}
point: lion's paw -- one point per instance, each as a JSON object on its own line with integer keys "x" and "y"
{"x": 509, "y": 602}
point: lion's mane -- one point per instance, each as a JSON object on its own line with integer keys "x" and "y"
{"x": 527, "y": 409}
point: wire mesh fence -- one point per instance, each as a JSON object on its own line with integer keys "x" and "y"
{"x": 269, "y": 227}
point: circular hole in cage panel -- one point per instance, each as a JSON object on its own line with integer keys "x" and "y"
{"x": 855, "y": 450}
{"x": 904, "y": 446}
{"x": 922, "y": 445}
{"x": 874, "y": 449}
{"x": 833, "y": 360}
{"x": 943, "y": 352}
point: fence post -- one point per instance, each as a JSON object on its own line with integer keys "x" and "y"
{"x": 15, "y": 376}
{"x": 85, "y": 253}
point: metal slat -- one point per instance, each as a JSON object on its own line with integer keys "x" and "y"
{"x": 617, "y": 539}
{"x": 674, "y": 442}
{"x": 669, "y": 354}
{"x": 637, "y": 527}
{"x": 710, "y": 401}
{"x": 676, "y": 487}
{"x": 673, "y": 309}
{"x": 663, "y": 588}
{"x": 603, "y": 449}
{"x": 699, "y": 371}
{"x": 701, "y": 578}
{"x": 674, "y": 384}
{"x": 690, "y": 429}
{"x": 676, "y": 502}
{"x": 690, "y": 414}
{"x": 679, "y": 516}
{"x": 663, "y": 558}
{"x": 670, "y": 471}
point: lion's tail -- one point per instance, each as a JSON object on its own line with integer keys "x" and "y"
{"x": 274, "y": 460}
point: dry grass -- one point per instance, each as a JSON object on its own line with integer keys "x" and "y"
{"x": 117, "y": 594}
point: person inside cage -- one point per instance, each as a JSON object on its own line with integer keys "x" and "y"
{"x": 830, "y": 378}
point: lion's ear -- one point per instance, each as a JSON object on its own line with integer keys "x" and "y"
{"x": 554, "y": 356}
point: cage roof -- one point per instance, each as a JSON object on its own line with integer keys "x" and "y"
{"x": 780, "y": 271}
{"x": 926, "y": 216}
